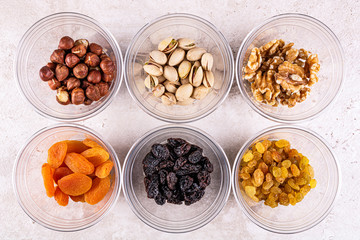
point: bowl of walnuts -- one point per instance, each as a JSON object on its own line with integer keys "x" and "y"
{"x": 68, "y": 66}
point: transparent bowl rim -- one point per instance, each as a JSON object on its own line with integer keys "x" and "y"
{"x": 276, "y": 128}
{"x": 226, "y": 46}
{"x": 126, "y": 194}
{"x": 86, "y": 129}
{"x": 117, "y": 53}
{"x": 245, "y": 42}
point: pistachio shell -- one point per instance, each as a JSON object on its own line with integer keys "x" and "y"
{"x": 208, "y": 79}
{"x": 176, "y": 57}
{"x": 186, "y": 102}
{"x": 171, "y": 74}
{"x": 207, "y": 61}
{"x": 195, "y": 54}
{"x": 170, "y": 86}
{"x": 158, "y": 57}
{"x": 184, "y": 81}
{"x": 167, "y": 45}
{"x": 153, "y": 69}
{"x": 159, "y": 90}
{"x": 168, "y": 99}
{"x": 184, "y": 69}
{"x": 186, "y": 43}
{"x": 161, "y": 79}
{"x": 196, "y": 74}
{"x": 200, "y": 92}
{"x": 151, "y": 81}
{"x": 184, "y": 92}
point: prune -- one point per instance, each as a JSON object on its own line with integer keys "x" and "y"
{"x": 171, "y": 180}
{"x": 175, "y": 142}
{"x": 204, "y": 179}
{"x": 166, "y": 164}
{"x": 188, "y": 169}
{"x": 160, "y": 200}
{"x": 182, "y": 149}
{"x": 179, "y": 163}
{"x": 160, "y": 151}
{"x": 207, "y": 165}
{"x": 195, "y": 156}
{"x": 185, "y": 182}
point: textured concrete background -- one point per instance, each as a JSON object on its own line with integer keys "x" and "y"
{"x": 339, "y": 125}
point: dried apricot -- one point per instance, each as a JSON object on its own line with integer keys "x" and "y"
{"x": 75, "y": 146}
{"x": 75, "y": 184}
{"x": 56, "y": 154}
{"x": 61, "y": 198}
{"x": 78, "y": 164}
{"x": 98, "y": 191}
{"x": 60, "y": 173}
{"x": 104, "y": 169}
{"x": 79, "y": 198}
{"x": 90, "y": 143}
{"x": 47, "y": 174}
{"x": 96, "y": 155}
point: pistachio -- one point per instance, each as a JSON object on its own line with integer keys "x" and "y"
{"x": 158, "y": 57}
{"x": 195, "y": 54}
{"x": 167, "y": 45}
{"x": 171, "y": 74}
{"x": 184, "y": 92}
{"x": 153, "y": 69}
{"x": 159, "y": 90}
{"x": 161, "y": 79}
{"x": 186, "y": 43}
{"x": 170, "y": 86}
{"x": 200, "y": 92}
{"x": 184, "y": 69}
{"x": 207, "y": 61}
{"x": 184, "y": 81}
{"x": 168, "y": 99}
{"x": 196, "y": 74}
{"x": 208, "y": 79}
{"x": 186, "y": 102}
{"x": 176, "y": 57}
{"x": 151, "y": 82}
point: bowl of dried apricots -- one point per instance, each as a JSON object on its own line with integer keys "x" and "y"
{"x": 286, "y": 179}
{"x": 67, "y": 177}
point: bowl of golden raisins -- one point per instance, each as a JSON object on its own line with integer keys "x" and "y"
{"x": 286, "y": 179}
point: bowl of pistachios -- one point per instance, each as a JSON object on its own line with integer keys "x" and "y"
{"x": 179, "y": 68}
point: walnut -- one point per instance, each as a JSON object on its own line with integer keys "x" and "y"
{"x": 265, "y": 88}
{"x": 291, "y": 55}
{"x": 253, "y": 63}
{"x": 312, "y": 67}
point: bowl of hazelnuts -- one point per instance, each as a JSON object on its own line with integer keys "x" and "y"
{"x": 68, "y": 66}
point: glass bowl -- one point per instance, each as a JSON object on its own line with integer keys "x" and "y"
{"x": 34, "y": 51}
{"x": 170, "y": 217}
{"x": 305, "y": 32}
{"x": 178, "y": 26}
{"x": 316, "y": 205}
{"x": 29, "y": 188}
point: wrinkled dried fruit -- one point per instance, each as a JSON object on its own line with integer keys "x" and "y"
{"x": 90, "y": 143}
{"x": 104, "y": 169}
{"x": 60, "y": 173}
{"x": 78, "y": 163}
{"x": 56, "y": 154}
{"x": 75, "y": 184}
{"x": 61, "y": 198}
{"x": 96, "y": 155}
{"x": 99, "y": 189}
{"x": 75, "y": 146}
{"x": 47, "y": 174}
{"x": 79, "y": 198}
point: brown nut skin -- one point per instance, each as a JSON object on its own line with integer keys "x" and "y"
{"x": 62, "y": 96}
{"x": 77, "y": 96}
{"x": 66, "y": 43}
{"x": 71, "y": 60}
{"x": 103, "y": 56}
{"x": 93, "y": 93}
{"x": 91, "y": 59}
{"x": 94, "y": 76}
{"x": 107, "y": 77}
{"x": 103, "y": 88}
{"x": 54, "y": 84}
{"x": 85, "y": 84}
{"x": 58, "y": 56}
{"x": 81, "y": 70}
{"x": 61, "y": 72}
{"x": 46, "y": 73}
{"x": 79, "y": 50}
{"x": 107, "y": 66}
{"x": 96, "y": 48}
{"x": 88, "y": 101}
{"x": 51, "y": 65}
{"x": 72, "y": 83}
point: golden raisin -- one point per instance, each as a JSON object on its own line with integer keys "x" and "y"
{"x": 258, "y": 177}
{"x": 282, "y": 143}
{"x": 263, "y": 167}
{"x": 267, "y": 157}
{"x": 284, "y": 172}
{"x": 295, "y": 170}
{"x": 260, "y": 147}
{"x": 313, "y": 183}
{"x": 303, "y": 162}
{"x": 276, "y": 156}
{"x": 286, "y": 163}
{"x": 248, "y": 156}
{"x": 276, "y": 172}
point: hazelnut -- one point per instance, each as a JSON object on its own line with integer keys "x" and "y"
{"x": 58, "y": 56}
{"x": 94, "y": 76}
{"x": 62, "y": 96}
{"x": 64, "y": 83}
{"x": 103, "y": 88}
{"x": 79, "y": 50}
{"x": 93, "y": 93}
{"x": 83, "y": 42}
{"x": 61, "y": 72}
{"x": 80, "y": 71}
{"x": 91, "y": 59}
{"x": 107, "y": 77}
{"x": 54, "y": 84}
{"x": 72, "y": 83}
{"x": 107, "y": 66}
{"x": 77, "y": 96}
{"x": 88, "y": 101}
{"x": 85, "y": 84}
{"x": 66, "y": 43}
{"x": 46, "y": 73}
{"x": 51, "y": 65}
{"x": 71, "y": 60}
{"x": 95, "y": 48}
{"x": 104, "y": 56}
